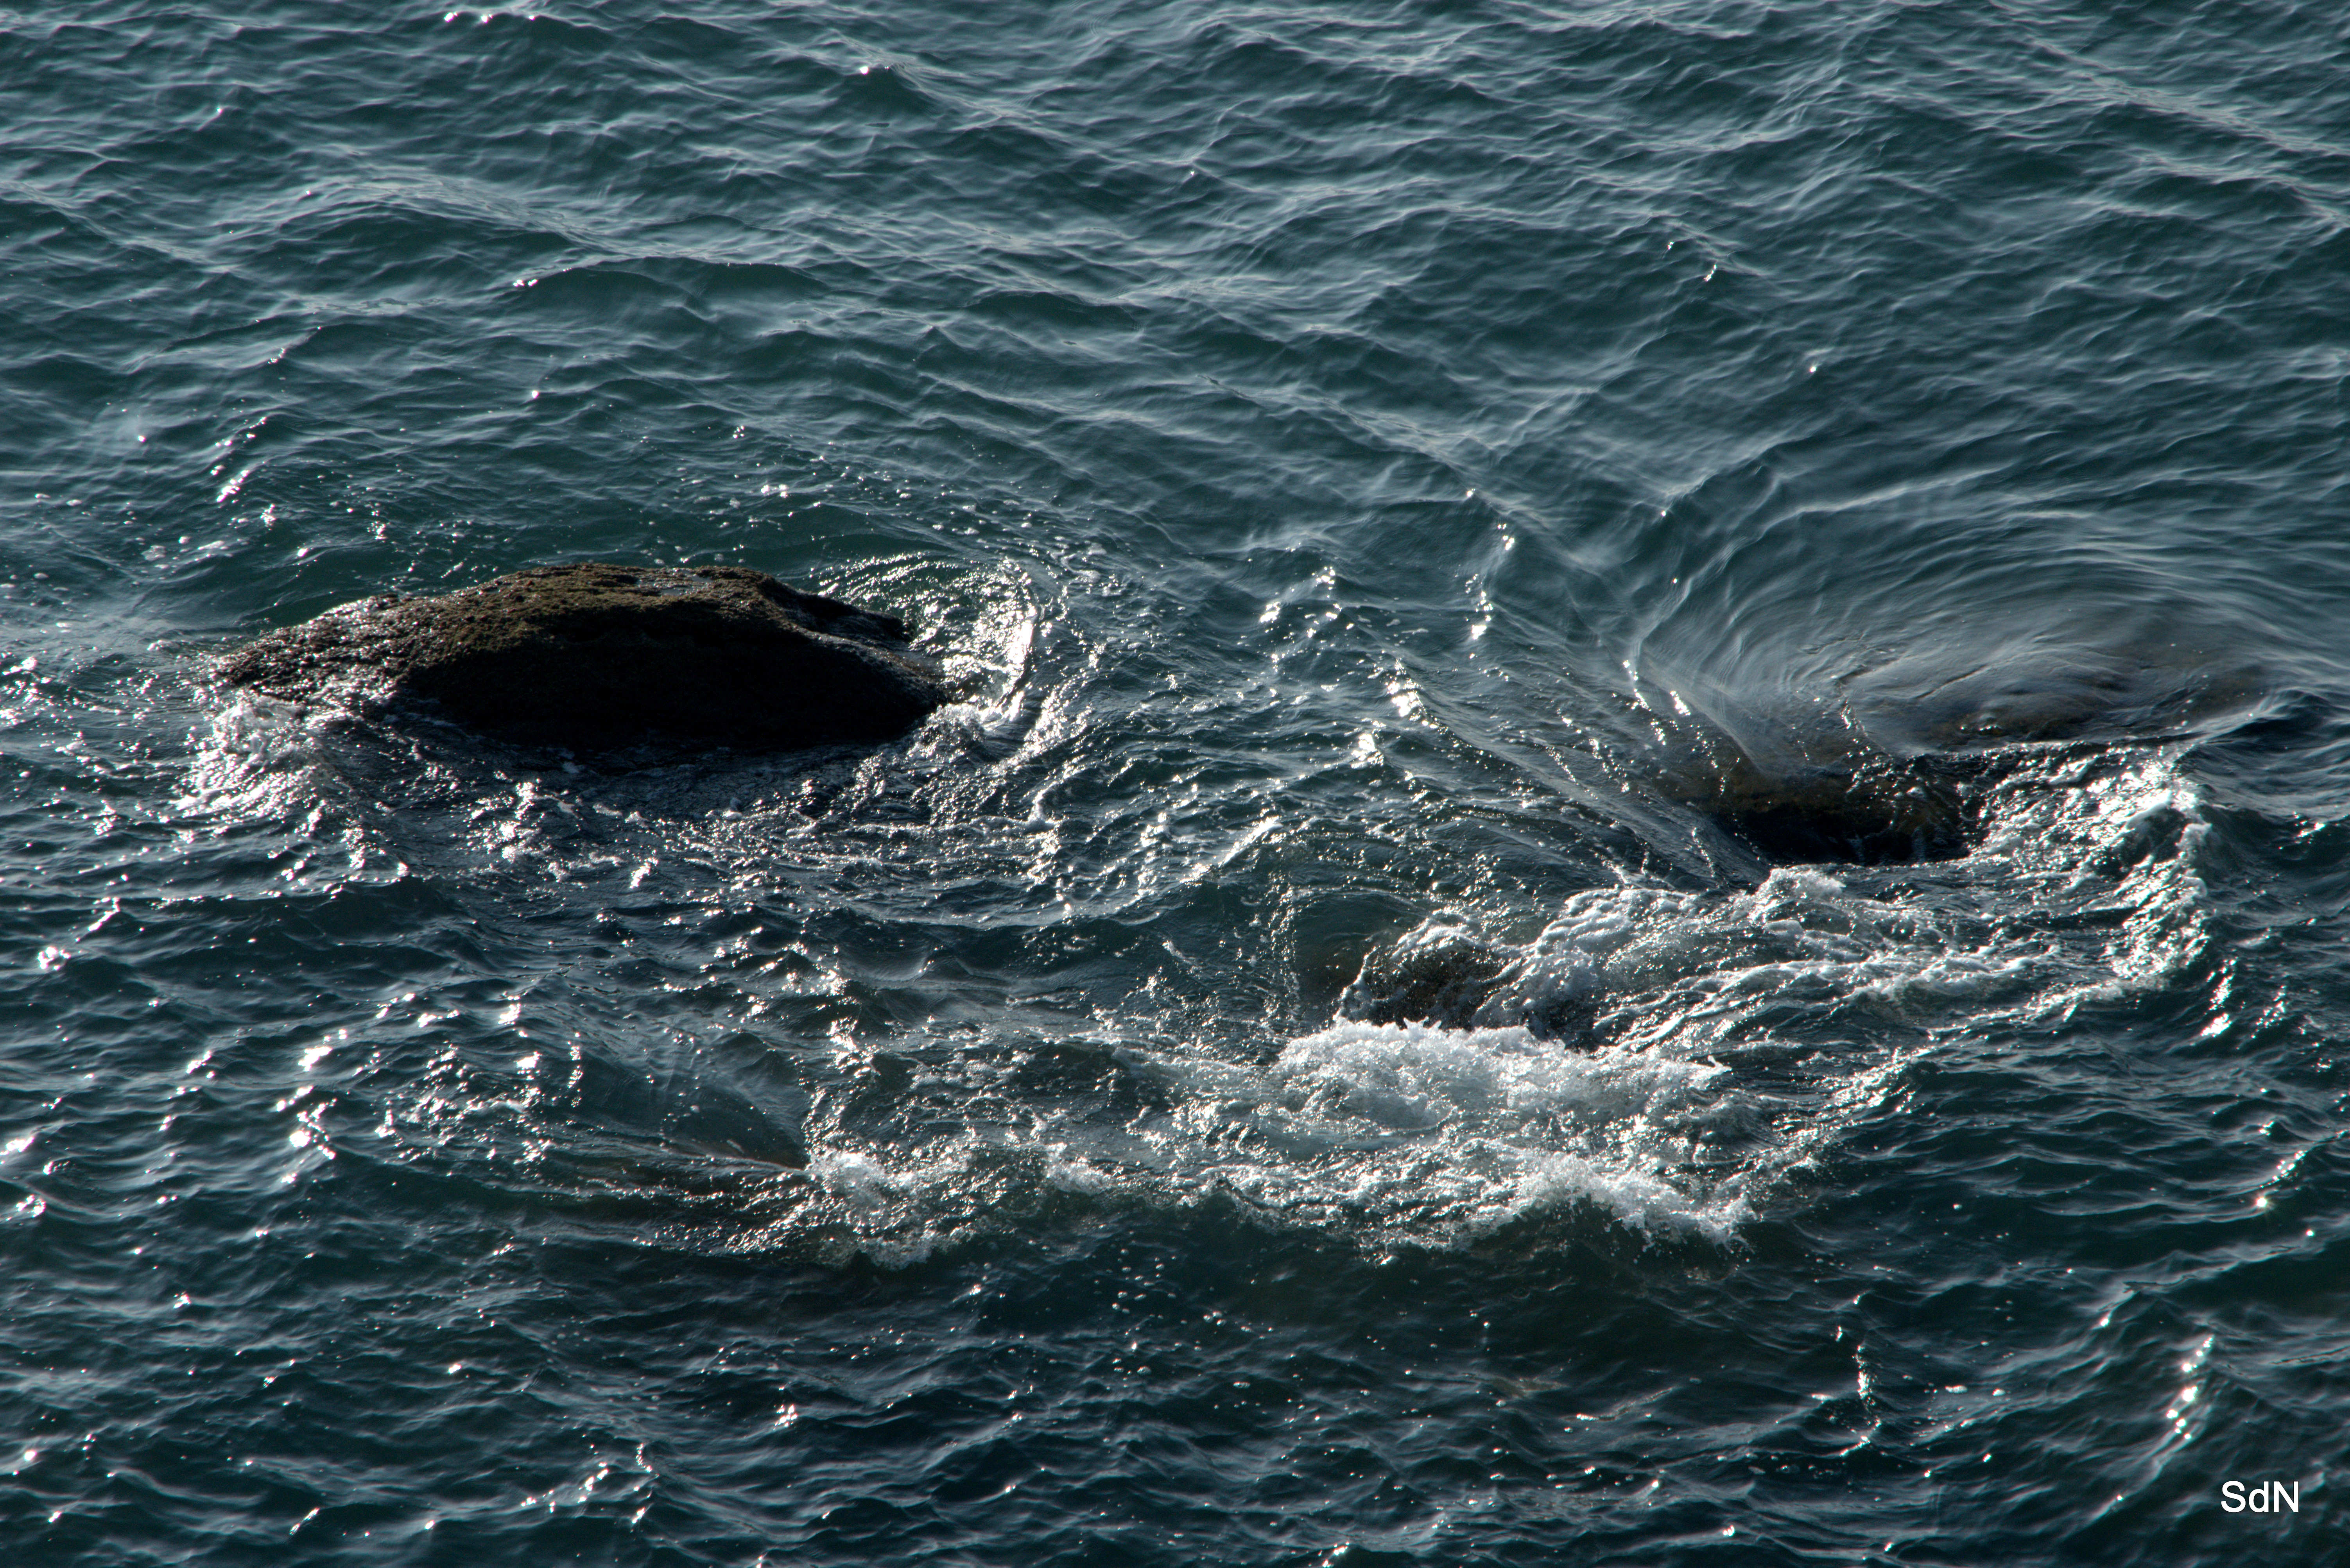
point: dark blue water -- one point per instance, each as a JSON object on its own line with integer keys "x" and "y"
{"x": 1381, "y": 473}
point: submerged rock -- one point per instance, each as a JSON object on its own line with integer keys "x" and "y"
{"x": 599, "y": 655}
{"x": 1883, "y": 810}
{"x": 1820, "y": 793}
{"x": 1444, "y": 975}
{"x": 1916, "y": 768}
{"x": 1437, "y": 974}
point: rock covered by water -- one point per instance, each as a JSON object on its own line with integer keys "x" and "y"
{"x": 1875, "y": 809}
{"x": 603, "y": 655}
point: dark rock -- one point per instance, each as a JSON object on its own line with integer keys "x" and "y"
{"x": 598, "y": 655}
{"x": 1882, "y": 811}
{"x": 1435, "y": 976}
{"x": 1809, "y": 789}
{"x": 1448, "y": 977}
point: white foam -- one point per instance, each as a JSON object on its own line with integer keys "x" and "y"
{"x": 1719, "y": 1038}
{"x": 1729, "y": 1045}
{"x": 1495, "y": 1082}
{"x": 1465, "y": 1129}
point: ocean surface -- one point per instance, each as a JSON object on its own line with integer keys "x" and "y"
{"x": 1302, "y": 1063}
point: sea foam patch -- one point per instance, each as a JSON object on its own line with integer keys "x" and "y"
{"x": 1663, "y": 1057}
{"x": 1728, "y": 1040}
{"x": 1457, "y": 1130}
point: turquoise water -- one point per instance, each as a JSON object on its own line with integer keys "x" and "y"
{"x": 1373, "y": 469}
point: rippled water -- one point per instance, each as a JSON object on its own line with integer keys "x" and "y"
{"x": 1298, "y": 1064}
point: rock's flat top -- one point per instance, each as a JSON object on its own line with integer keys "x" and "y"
{"x": 602, "y": 655}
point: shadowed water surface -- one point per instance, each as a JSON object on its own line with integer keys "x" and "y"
{"x": 1321, "y": 1054}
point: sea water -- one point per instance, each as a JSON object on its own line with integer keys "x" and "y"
{"x": 1290, "y": 1067}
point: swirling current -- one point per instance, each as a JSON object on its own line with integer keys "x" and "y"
{"x": 1351, "y": 1040}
